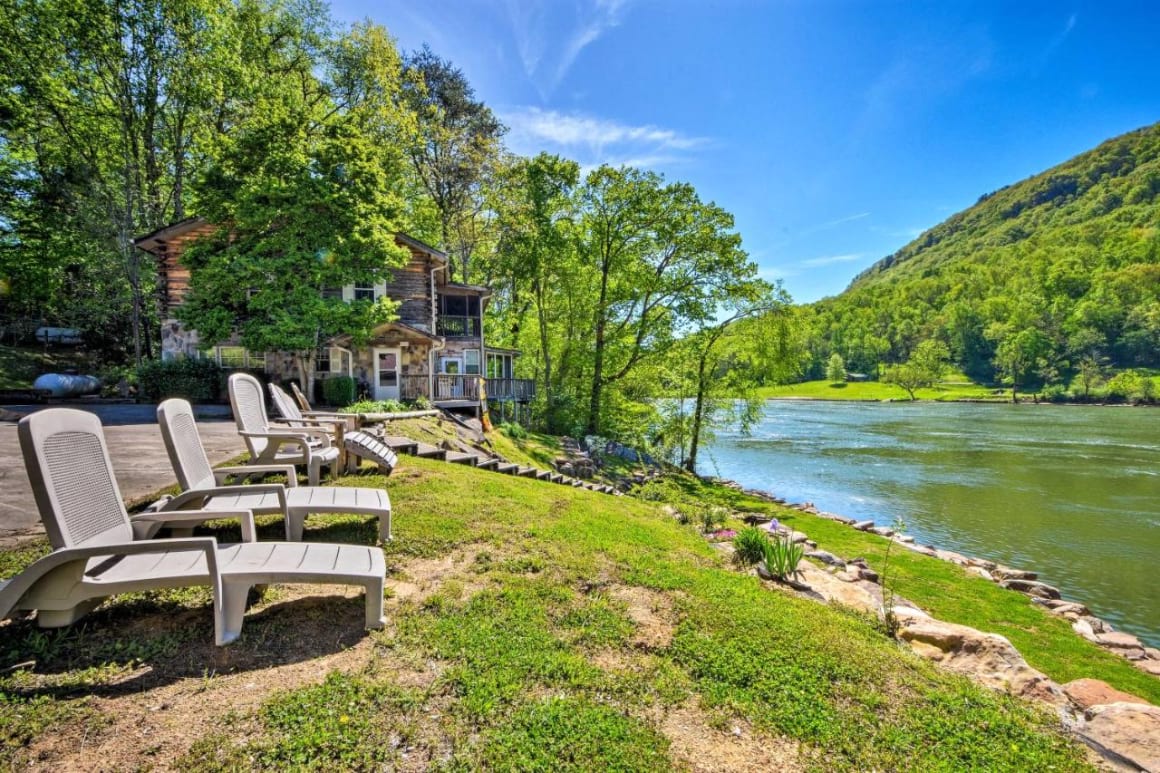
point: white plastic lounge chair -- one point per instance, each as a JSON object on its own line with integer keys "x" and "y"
{"x": 355, "y": 443}
{"x": 202, "y": 487}
{"x": 309, "y": 446}
{"x": 95, "y": 555}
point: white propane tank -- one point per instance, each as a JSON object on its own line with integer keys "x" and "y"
{"x": 65, "y": 385}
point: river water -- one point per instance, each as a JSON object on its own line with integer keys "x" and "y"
{"x": 1071, "y": 492}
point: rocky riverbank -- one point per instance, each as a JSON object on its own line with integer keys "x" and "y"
{"x": 1122, "y": 728}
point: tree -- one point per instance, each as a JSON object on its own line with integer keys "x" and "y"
{"x": 1019, "y": 356}
{"x": 307, "y": 192}
{"x": 836, "y": 369}
{"x": 925, "y": 367}
{"x": 454, "y": 149}
{"x": 729, "y": 360}
{"x": 1090, "y": 374}
{"x": 661, "y": 260}
{"x": 536, "y": 261}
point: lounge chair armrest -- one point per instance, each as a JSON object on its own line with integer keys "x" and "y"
{"x": 324, "y": 415}
{"x": 283, "y": 438}
{"x": 171, "y": 517}
{"x": 15, "y": 588}
{"x": 221, "y": 474}
{"x": 195, "y": 495}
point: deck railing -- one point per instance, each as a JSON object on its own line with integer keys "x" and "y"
{"x": 451, "y": 386}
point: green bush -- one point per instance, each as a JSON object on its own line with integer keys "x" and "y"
{"x": 198, "y": 381}
{"x": 749, "y": 546}
{"x": 421, "y": 403}
{"x": 1055, "y": 393}
{"x": 514, "y": 431}
{"x": 339, "y": 390}
{"x": 782, "y": 556}
{"x": 375, "y": 406}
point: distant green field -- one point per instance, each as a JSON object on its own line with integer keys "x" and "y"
{"x": 957, "y": 389}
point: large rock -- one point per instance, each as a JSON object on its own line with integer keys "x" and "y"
{"x": 882, "y": 531}
{"x": 863, "y": 525}
{"x": 1032, "y": 588}
{"x": 1123, "y": 644}
{"x": 826, "y": 558}
{"x": 1007, "y": 573}
{"x": 988, "y": 658}
{"x": 978, "y": 571}
{"x": 1085, "y": 693}
{"x": 1148, "y": 666}
{"x": 1126, "y": 733}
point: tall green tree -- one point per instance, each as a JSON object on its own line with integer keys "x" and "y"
{"x": 663, "y": 261}
{"x": 927, "y": 364}
{"x": 454, "y": 150}
{"x": 307, "y": 192}
{"x": 537, "y": 267}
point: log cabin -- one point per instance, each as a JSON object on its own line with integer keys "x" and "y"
{"x": 435, "y": 349}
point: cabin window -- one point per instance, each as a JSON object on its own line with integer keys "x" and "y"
{"x": 499, "y": 365}
{"x": 239, "y": 357}
{"x": 471, "y": 362}
{"x": 459, "y": 316}
{"x": 364, "y": 292}
{"x": 451, "y": 365}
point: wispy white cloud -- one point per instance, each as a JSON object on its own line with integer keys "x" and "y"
{"x": 549, "y": 40}
{"x": 1059, "y": 39}
{"x": 830, "y": 260}
{"x": 593, "y": 141}
{"x": 771, "y": 273}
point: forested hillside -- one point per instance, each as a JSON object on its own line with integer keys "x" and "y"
{"x": 1040, "y": 282}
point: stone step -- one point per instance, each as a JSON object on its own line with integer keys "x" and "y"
{"x": 400, "y": 445}
{"x": 456, "y": 457}
{"x": 507, "y": 468}
{"x": 543, "y": 475}
{"x": 428, "y": 451}
{"x": 556, "y": 477}
{"x": 486, "y": 463}
{"x": 527, "y": 472}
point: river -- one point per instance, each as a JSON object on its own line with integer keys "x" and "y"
{"x": 1071, "y": 492}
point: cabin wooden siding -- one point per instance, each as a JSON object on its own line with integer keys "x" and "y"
{"x": 411, "y": 286}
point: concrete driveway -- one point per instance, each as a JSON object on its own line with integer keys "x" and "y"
{"x": 135, "y": 446}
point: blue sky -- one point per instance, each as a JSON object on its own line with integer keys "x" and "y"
{"x": 835, "y": 132}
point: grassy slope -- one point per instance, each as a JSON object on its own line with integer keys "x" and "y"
{"x": 947, "y": 592}
{"x": 537, "y": 661}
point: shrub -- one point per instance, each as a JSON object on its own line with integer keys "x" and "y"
{"x": 782, "y": 556}
{"x": 339, "y": 390}
{"x": 198, "y": 381}
{"x": 514, "y": 431}
{"x": 712, "y": 518}
{"x": 421, "y": 403}
{"x": 1055, "y": 393}
{"x": 375, "y": 406}
{"x": 749, "y": 546}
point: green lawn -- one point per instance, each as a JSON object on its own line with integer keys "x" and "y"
{"x": 538, "y": 658}
{"x": 877, "y": 391}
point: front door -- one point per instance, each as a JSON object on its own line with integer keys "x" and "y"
{"x": 386, "y": 374}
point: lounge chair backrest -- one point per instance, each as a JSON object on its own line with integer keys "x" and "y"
{"x": 249, "y": 409}
{"x": 72, "y": 479}
{"x": 303, "y": 403}
{"x": 183, "y": 444}
{"x": 284, "y": 404}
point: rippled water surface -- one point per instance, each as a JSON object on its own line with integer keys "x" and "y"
{"x": 1071, "y": 492}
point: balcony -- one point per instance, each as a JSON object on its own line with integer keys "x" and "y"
{"x": 458, "y": 327}
{"x": 464, "y": 389}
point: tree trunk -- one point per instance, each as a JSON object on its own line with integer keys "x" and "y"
{"x": 598, "y": 359}
{"x": 698, "y": 413}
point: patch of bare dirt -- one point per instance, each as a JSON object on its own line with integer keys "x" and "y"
{"x": 698, "y": 744}
{"x": 153, "y": 714}
{"x": 419, "y": 578}
{"x": 651, "y": 612}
